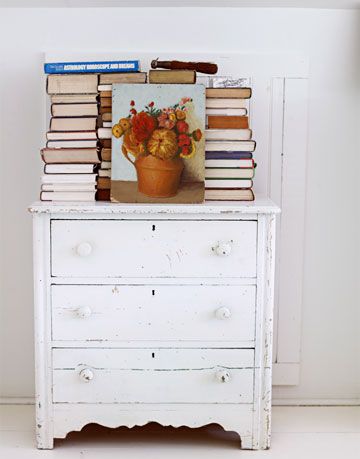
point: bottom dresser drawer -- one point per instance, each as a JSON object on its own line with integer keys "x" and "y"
{"x": 153, "y": 375}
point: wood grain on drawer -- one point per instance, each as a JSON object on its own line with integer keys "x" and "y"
{"x": 158, "y": 313}
{"x": 153, "y": 375}
{"x": 115, "y": 248}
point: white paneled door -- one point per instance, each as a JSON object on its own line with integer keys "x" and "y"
{"x": 278, "y": 117}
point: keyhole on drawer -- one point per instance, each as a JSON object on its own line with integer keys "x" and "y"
{"x": 153, "y": 355}
{"x": 153, "y": 292}
{"x": 153, "y": 227}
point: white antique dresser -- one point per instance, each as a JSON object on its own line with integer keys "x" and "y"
{"x": 154, "y": 313}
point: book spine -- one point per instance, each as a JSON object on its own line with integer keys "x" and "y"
{"x": 92, "y": 67}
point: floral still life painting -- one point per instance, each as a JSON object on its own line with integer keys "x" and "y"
{"x": 158, "y": 145}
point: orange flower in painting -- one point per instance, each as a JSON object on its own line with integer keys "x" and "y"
{"x": 143, "y": 125}
{"x": 131, "y": 144}
{"x": 197, "y": 134}
{"x": 163, "y": 144}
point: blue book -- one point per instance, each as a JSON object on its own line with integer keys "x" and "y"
{"x": 228, "y": 155}
{"x": 92, "y": 67}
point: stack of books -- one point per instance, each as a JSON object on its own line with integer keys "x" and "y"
{"x": 71, "y": 155}
{"x": 229, "y": 164}
{"x": 106, "y": 81}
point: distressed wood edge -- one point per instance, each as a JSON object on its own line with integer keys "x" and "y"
{"x": 264, "y": 332}
{"x": 42, "y": 325}
{"x": 260, "y": 205}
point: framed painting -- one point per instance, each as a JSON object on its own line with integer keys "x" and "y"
{"x": 158, "y": 145}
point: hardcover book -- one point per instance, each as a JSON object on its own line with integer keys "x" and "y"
{"x": 92, "y": 67}
{"x": 158, "y": 143}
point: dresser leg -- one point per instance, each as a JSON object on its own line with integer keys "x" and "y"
{"x": 43, "y": 439}
{"x": 246, "y": 442}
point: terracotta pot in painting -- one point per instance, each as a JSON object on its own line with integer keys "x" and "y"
{"x": 158, "y": 178}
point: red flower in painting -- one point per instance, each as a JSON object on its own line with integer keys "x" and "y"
{"x": 183, "y": 140}
{"x": 143, "y": 125}
{"x": 151, "y": 104}
{"x": 185, "y": 151}
{"x": 182, "y": 126}
{"x": 132, "y": 103}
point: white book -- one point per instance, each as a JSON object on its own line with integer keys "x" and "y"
{"x": 104, "y": 172}
{"x": 228, "y": 134}
{"x": 239, "y": 145}
{"x": 104, "y": 133}
{"x": 67, "y": 196}
{"x": 73, "y": 135}
{"x": 69, "y": 168}
{"x": 226, "y": 111}
{"x": 242, "y": 163}
{"x": 229, "y": 195}
{"x": 236, "y": 173}
{"x": 105, "y": 87}
{"x": 72, "y": 143}
{"x": 226, "y": 103}
{"x": 105, "y": 165}
{"x": 68, "y": 187}
{"x": 73, "y": 98}
{"x": 69, "y": 178}
{"x": 228, "y": 183}
{"x": 107, "y": 124}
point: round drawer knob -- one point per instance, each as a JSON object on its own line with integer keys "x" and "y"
{"x": 223, "y": 313}
{"x": 83, "y": 312}
{"x": 86, "y": 375}
{"x": 222, "y": 249}
{"x": 223, "y": 376}
{"x": 84, "y": 249}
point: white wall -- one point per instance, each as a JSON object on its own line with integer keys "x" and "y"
{"x": 329, "y": 38}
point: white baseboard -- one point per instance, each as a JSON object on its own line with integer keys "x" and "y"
{"x": 316, "y": 402}
{"x": 275, "y": 402}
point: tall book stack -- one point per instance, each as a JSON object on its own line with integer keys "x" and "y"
{"x": 229, "y": 164}
{"x": 106, "y": 80}
{"x": 71, "y": 155}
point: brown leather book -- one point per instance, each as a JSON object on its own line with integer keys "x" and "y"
{"x": 103, "y": 109}
{"x": 107, "y": 116}
{"x": 228, "y": 93}
{"x": 105, "y": 101}
{"x": 105, "y": 143}
{"x": 172, "y": 76}
{"x": 103, "y": 183}
{"x": 105, "y": 94}
{"x": 110, "y": 78}
{"x": 228, "y": 122}
{"x": 105, "y": 154}
{"x": 103, "y": 195}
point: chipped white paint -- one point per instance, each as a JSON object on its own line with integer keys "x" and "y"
{"x": 140, "y": 319}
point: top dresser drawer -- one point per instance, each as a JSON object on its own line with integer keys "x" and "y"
{"x": 157, "y": 248}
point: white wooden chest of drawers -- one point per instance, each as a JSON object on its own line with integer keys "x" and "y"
{"x": 154, "y": 313}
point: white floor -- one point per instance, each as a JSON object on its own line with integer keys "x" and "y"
{"x": 298, "y": 433}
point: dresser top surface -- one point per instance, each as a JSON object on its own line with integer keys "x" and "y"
{"x": 261, "y": 205}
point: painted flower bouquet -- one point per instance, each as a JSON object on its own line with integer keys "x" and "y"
{"x": 159, "y": 140}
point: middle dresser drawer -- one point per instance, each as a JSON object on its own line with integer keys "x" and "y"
{"x": 153, "y": 313}
{"x": 158, "y": 248}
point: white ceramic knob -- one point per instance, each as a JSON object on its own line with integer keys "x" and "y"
{"x": 223, "y": 376}
{"x": 222, "y": 249}
{"x": 84, "y": 249}
{"x": 223, "y": 313}
{"x": 83, "y": 312}
{"x": 86, "y": 375}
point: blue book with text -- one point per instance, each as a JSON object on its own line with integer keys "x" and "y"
{"x": 228, "y": 155}
{"x": 92, "y": 67}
